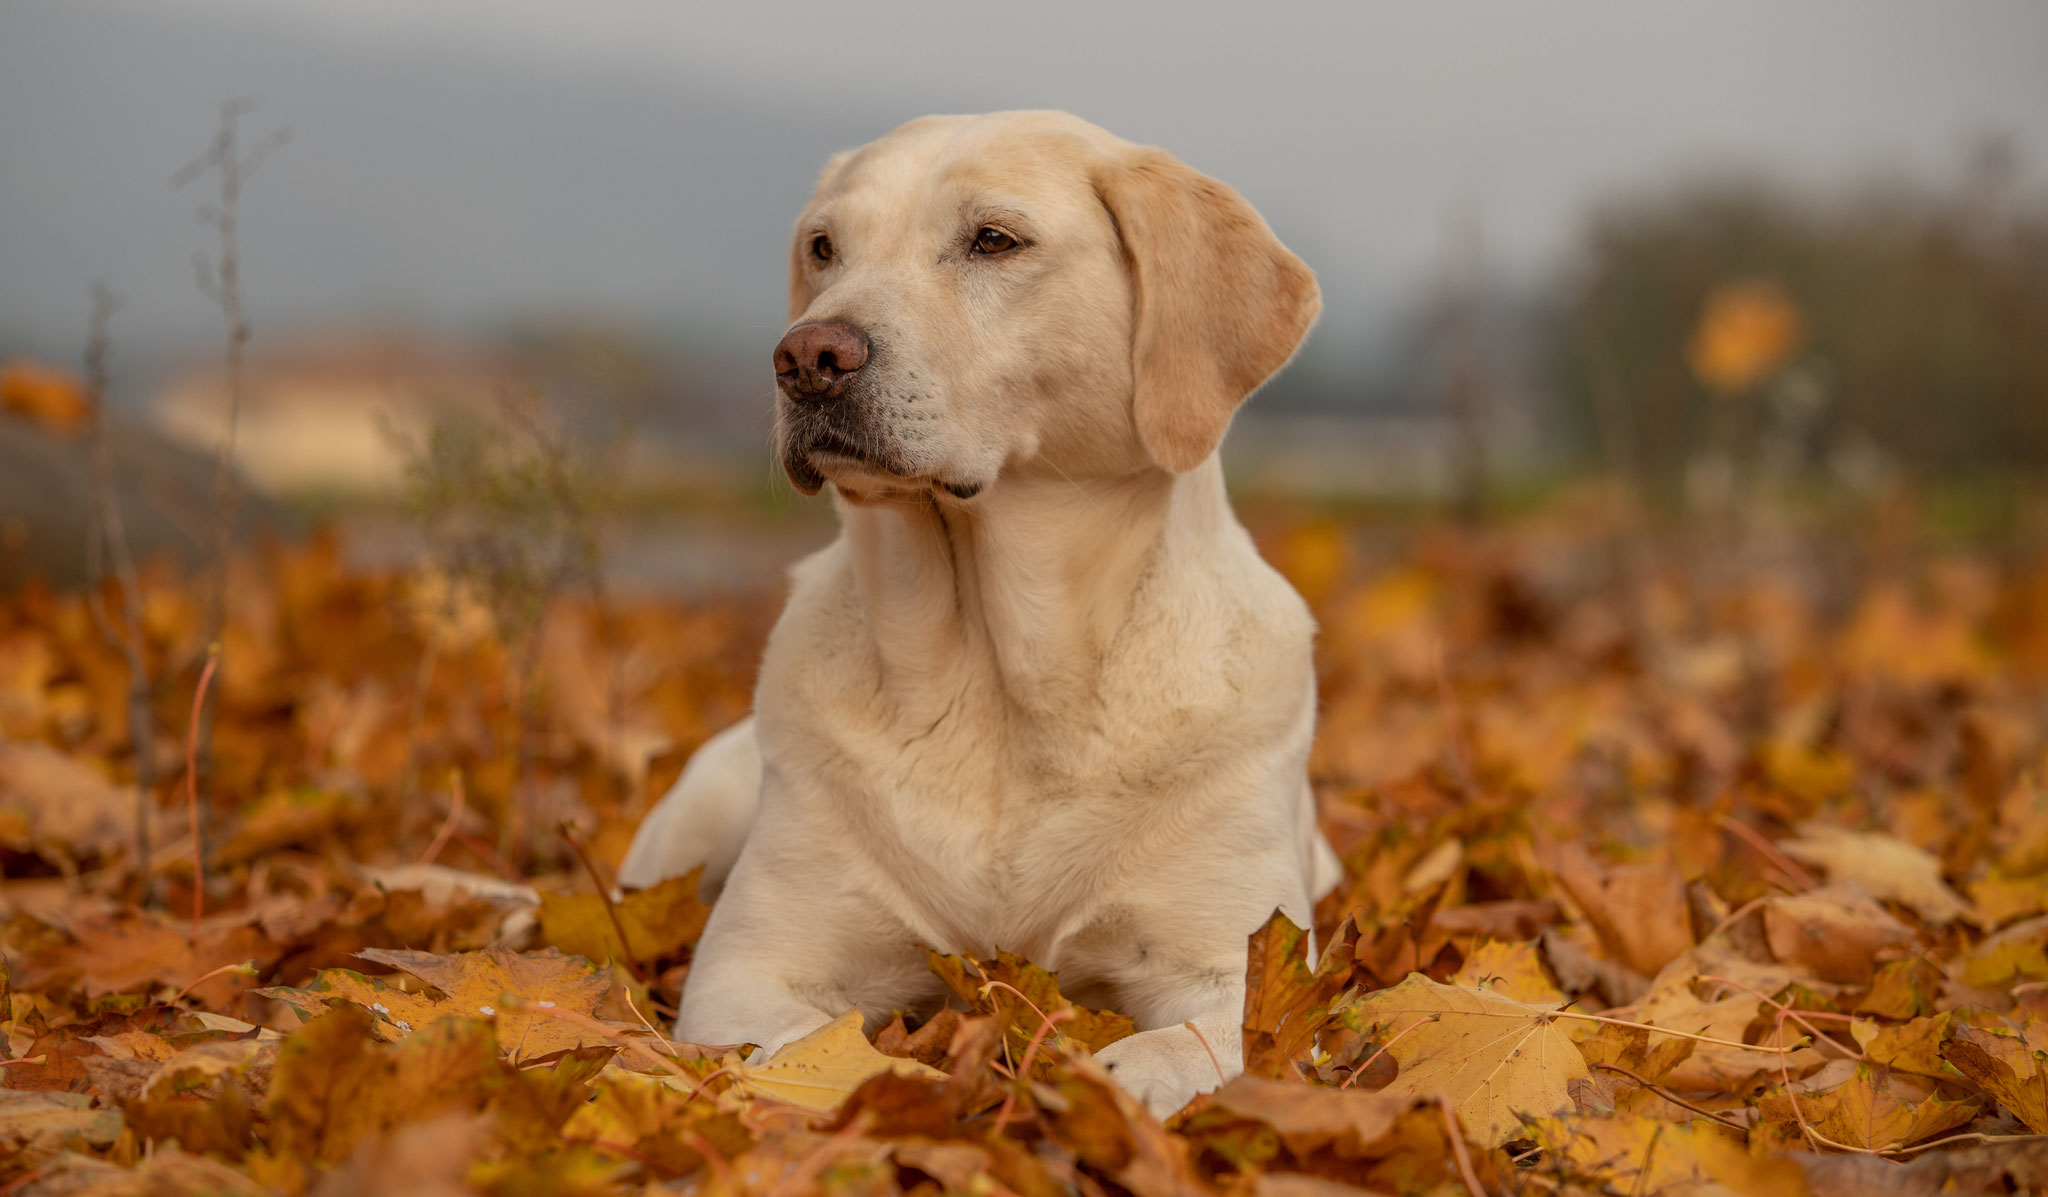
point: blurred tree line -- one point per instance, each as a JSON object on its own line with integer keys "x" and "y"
{"x": 1721, "y": 335}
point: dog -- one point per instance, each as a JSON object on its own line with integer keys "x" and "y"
{"x": 1042, "y": 693}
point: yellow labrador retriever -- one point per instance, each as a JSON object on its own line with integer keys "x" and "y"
{"x": 1042, "y": 693}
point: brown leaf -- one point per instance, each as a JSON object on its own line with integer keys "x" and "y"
{"x": 987, "y": 986}
{"x": 1286, "y": 1003}
{"x": 1875, "y": 1108}
{"x": 54, "y": 803}
{"x": 1836, "y": 931}
{"x": 1639, "y": 910}
{"x": 2006, "y": 1067}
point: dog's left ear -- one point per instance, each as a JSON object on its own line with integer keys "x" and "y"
{"x": 1221, "y": 305}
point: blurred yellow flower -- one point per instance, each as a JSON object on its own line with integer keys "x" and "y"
{"x": 1747, "y": 331}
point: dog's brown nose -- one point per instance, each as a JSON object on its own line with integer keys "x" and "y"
{"x": 817, "y": 361}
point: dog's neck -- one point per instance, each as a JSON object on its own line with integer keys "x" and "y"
{"x": 1039, "y": 574}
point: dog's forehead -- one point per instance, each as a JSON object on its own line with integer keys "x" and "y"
{"x": 942, "y": 164}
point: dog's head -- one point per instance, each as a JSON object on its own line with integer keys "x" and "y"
{"x": 971, "y": 296}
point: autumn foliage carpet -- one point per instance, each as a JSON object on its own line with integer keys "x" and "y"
{"x": 1706, "y": 871}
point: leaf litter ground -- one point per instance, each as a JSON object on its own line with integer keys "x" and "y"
{"x": 1665, "y": 873}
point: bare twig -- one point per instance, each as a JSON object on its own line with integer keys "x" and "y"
{"x": 1671, "y": 1097}
{"x": 220, "y": 280}
{"x": 1783, "y": 863}
{"x": 1798, "y": 1016}
{"x": 604, "y": 894}
{"x": 107, "y": 543}
{"x": 448, "y": 825}
{"x": 1464, "y": 1157}
{"x": 192, "y": 788}
{"x": 1204, "y": 1040}
{"x": 1023, "y": 1073}
{"x": 245, "y": 968}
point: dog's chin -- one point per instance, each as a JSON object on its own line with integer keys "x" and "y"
{"x": 863, "y": 481}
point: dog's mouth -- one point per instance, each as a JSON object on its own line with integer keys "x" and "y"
{"x": 813, "y": 455}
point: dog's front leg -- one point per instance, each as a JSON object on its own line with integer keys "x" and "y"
{"x": 1165, "y": 1065}
{"x": 792, "y": 944}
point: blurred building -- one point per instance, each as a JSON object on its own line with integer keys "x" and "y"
{"x": 340, "y": 412}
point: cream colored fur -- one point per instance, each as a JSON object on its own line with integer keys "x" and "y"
{"x": 1069, "y": 714}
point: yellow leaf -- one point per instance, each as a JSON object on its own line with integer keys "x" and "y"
{"x": 1632, "y": 1153}
{"x": 1874, "y": 1108}
{"x": 818, "y": 1071}
{"x": 516, "y": 990}
{"x": 1495, "y": 1058}
{"x": 659, "y": 921}
{"x": 1512, "y": 969}
{"x": 2017, "y": 953}
{"x": 1883, "y": 867}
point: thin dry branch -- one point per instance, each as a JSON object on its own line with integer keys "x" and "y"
{"x": 107, "y": 544}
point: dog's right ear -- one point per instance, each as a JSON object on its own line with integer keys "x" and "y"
{"x": 799, "y": 289}
{"x": 1221, "y": 305}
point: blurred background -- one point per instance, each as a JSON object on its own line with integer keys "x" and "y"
{"x": 521, "y": 262}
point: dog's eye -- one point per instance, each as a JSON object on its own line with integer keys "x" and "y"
{"x": 992, "y": 240}
{"x": 821, "y": 247}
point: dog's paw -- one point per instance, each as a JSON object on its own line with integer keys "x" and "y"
{"x": 1165, "y": 1068}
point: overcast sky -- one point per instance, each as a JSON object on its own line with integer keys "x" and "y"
{"x": 466, "y": 161}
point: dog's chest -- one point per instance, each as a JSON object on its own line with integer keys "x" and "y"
{"x": 998, "y": 831}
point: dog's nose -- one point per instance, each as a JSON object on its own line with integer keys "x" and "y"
{"x": 817, "y": 361}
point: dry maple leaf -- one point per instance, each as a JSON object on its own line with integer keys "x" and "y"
{"x": 1836, "y": 932}
{"x": 131, "y": 951}
{"x": 1875, "y": 1108}
{"x": 1287, "y": 1003}
{"x": 656, "y": 1123}
{"x": 2016, "y": 953}
{"x": 336, "y": 1085}
{"x": 2005, "y": 1065}
{"x": 659, "y": 921}
{"x": 819, "y": 1070}
{"x": 986, "y": 986}
{"x": 1513, "y": 969}
{"x": 1644, "y": 1157}
{"x": 53, "y": 803}
{"x": 1885, "y": 867}
{"x": 1497, "y": 1060}
{"x": 516, "y": 990}
{"x": 1913, "y": 1046}
{"x": 1105, "y": 1127}
{"x": 1638, "y": 910}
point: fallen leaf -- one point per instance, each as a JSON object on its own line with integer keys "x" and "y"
{"x": 55, "y": 803}
{"x": 1639, "y": 910}
{"x": 1836, "y": 932}
{"x": 1875, "y": 1108}
{"x": 660, "y": 921}
{"x": 515, "y": 990}
{"x": 818, "y": 1071}
{"x": 1495, "y": 1058}
{"x": 1641, "y": 1156}
{"x": 1886, "y": 868}
{"x": 2005, "y": 1066}
{"x": 993, "y": 987}
{"x": 1513, "y": 969}
{"x": 1286, "y": 1002}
